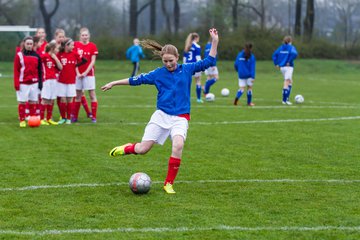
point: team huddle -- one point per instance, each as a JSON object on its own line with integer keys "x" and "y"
{"x": 59, "y": 70}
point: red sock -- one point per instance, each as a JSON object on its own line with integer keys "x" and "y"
{"x": 69, "y": 110}
{"x": 130, "y": 149}
{"x": 173, "y": 168}
{"x": 21, "y": 111}
{"x": 62, "y": 107}
{"x": 32, "y": 108}
{"x": 42, "y": 110}
{"x": 76, "y": 109}
{"x": 85, "y": 104}
{"x": 94, "y": 106}
{"x": 49, "y": 110}
{"x": 27, "y": 109}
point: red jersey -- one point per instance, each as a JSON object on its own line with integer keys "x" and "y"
{"x": 41, "y": 49}
{"x": 27, "y": 68}
{"x": 86, "y": 51}
{"x": 49, "y": 67}
{"x": 68, "y": 61}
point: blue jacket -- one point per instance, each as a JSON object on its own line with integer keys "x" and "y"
{"x": 173, "y": 88}
{"x": 245, "y": 68}
{"x": 285, "y": 54}
{"x": 134, "y": 53}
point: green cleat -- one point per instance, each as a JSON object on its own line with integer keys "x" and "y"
{"x": 169, "y": 188}
{"x": 119, "y": 150}
{"x": 22, "y": 124}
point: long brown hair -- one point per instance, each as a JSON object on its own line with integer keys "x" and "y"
{"x": 190, "y": 38}
{"x": 65, "y": 43}
{"x": 247, "y": 50}
{"x": 158, "y": 49}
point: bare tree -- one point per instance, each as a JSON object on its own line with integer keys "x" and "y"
{"x": 260, "y": 12}
{"x": 48, "y": 15}
{"x": 167, "y": 16}
{"x": 134, "y": 13}
{"x": 297, "y": 29}
{"x": 153, "y": 17}
{"x": 309, "y": 20}
{"x": 234, "y": 11}
{"x": 176, "y": 16}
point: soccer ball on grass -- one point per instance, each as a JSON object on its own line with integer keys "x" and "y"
{"x": 140, "y": 183}
{"x": 210, "y": 97}
{"x": 225, "y": 92}
{"x": 299, "y": 99}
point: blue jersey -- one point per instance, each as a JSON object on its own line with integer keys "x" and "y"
{"x": 207, "y": 49}
{"x": 284, "y": 55}
{"x": 174, "y": 87}
{"x": 245, "y": 67}
{"x": 193, "y": 55}
{"x": 134, "y": 53}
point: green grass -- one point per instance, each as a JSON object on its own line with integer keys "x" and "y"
{"x": 319, "y": 141}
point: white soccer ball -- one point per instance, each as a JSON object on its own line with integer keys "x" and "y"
{"x": 210, "y": 97}
{"x": 299, "y": 98}
{"x": 225, "y": 92}
{"x": 140, "y": 183}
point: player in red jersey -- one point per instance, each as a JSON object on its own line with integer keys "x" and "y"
{"x": 50, "y": 65}
{"x": 59, "y": 37}
{"x": 70, "y": 60}
{"x": 86, "y": 74}
{"x": 40, "y": 32}
{"x": 27, "y": 78}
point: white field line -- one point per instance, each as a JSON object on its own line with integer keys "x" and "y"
{"x": 243, "y": 122}
{"x": 94, "y": 185}
{"x": 184, "y": 229}
{"x": 231, "y": 122}
{"x": 210, "y": 105}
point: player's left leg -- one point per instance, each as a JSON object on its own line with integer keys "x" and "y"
{"x": 94, "y": 105}
{"x": 174, "y": 163}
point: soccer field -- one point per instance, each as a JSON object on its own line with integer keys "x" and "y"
{"x": 264, "y": 172}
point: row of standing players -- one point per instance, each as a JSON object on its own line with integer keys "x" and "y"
{"x": 245, "y": 65}
{"x": 61, "y": 69}
{"x": 173, "y": 83}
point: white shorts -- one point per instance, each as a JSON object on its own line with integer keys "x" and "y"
{"x": 162, "y": 125}
{"x": 65, "y": 90}
{"x": 243, "y": 82}
{"x": 197, "y": 74}
{"x": 28, "y": 92}
{"x": 49, "y": 90}
{"x": 287, "y": 72}
{"x": 85, "y": 83}
{"x": 212, "y": 71}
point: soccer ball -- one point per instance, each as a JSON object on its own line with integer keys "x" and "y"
{"x": 34, "y": 121}
{"x": 299, "y": 98}
{"x": 210, "y": 97}
{"x": 225, "y": 92}
{"x": 140, "y": 183}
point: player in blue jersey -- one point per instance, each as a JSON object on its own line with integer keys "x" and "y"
{"x": 134, "y": 53}
{"x": 283, "y": 59}
{"x": 212, "y": 73}
{"x": 192, "y": 53}
{"x": 244, "y": 65}
{"x": 173, "y": 82}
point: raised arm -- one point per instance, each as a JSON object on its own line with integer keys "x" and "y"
{"x": 214, "y": 43}
{"x": 109, "y": 85}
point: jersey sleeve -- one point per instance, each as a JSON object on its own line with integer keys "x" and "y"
{"x": 17, "y": 71}
{"x": 147, "y": 78}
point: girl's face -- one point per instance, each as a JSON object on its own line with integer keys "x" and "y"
{"x": 60, "y": 38}
{"x": 84, "y": 37}
{"x": 29, "y": 44}
{"x": 170, "y": 62}
{"x": 69, "y": 47}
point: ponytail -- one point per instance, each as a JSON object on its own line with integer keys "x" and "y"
{"x": 190, "y": 38}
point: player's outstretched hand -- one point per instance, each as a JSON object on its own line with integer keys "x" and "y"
{"x": 214, "y": 34}
{"x": 106, "y": 87}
